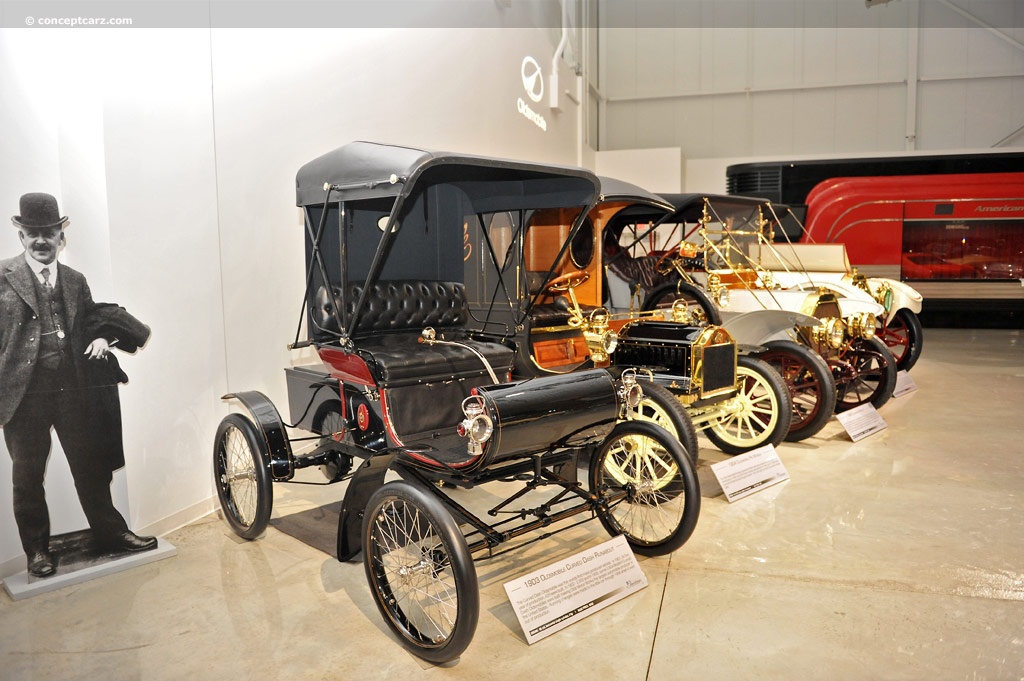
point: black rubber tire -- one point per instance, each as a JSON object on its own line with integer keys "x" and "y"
{"x": 417, "y": 563}
{"x": 646, "y": 488}
{"x": 904, "y": 337}
{"x": 241, "y": 472}
{"x": 664, "y": 295}
{"x": 766, "y": 420}
{"x": 875, "y": 377}
{"x": 660, "y": 406}
{"x": 812, "y": 389}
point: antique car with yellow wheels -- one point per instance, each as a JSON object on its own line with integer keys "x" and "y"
{"x": 552, "y": 269}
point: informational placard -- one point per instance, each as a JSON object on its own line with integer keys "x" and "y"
{"x": 904, "y": 384}
{"x": 552, "y": 598}
{"x": 861, "y": 421}
{"x": 749, "y": 472}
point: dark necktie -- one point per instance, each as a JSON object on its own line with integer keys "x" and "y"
{"x": 46, "y": 279}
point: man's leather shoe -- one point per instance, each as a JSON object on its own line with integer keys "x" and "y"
{"x": 40, "y": 564}
{"x": 128, "y": 541}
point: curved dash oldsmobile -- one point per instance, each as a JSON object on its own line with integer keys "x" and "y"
{"x": 415, "y": 381}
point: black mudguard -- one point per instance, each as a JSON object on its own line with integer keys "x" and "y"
{"x": 367, "y": 479}
{"x": 272, "y": 427}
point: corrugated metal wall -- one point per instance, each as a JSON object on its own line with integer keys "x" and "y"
{"x": 734, "y": 78}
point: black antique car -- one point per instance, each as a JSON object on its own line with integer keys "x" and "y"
{"x": 413, "y": 400}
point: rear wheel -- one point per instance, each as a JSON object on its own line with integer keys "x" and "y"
{"x": 811, "y": 386}
{"x": 870, "y": 375}
{"x": 696, "y": 298}
{"x": 758, "y": 415}
{"x": 331, "y": 426}
{"x": 904, "y": 337}
{"x": 646, "y": 488}
{"x": 420, "y": 571}
{"x": 241, "y": 471}
{"x": 661, "y": 407}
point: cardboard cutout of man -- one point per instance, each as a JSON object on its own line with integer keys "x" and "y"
{"x": 57, "y": 372}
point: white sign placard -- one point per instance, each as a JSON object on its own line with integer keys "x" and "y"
{"x": 749, "y": 472}
{"x": 552, "y": 598}
{"x": 861, "y": 421}
{"x": 904, "y": 384}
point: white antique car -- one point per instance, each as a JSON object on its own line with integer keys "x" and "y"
{"x": 715, "y": 260}
{"x": 808, "y": 266}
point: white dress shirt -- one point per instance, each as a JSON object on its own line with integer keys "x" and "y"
{"x": 37, "y": 268}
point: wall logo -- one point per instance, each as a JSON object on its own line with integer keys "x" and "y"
{"x": 533, "y": 83}
{"x": 533, "y": 79}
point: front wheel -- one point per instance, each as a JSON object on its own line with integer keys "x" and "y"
{"x": 869, "y": 375}
{"x": 241, "y": 471}
{"x": 646, "y": 488}
{"x": 904, "y": 337}
{"x": 811, "y": 386}
{"x": 420, "y": 571}
{"x": 661, "y": 407}
{"x": 759, "y": 414}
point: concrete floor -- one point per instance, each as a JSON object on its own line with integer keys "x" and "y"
{"x": 897, "y": 557}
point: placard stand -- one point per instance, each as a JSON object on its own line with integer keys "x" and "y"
{"x": 904, "y": 384}
{"x": 861, "y": 421}
{"x": 749, "y": 472}
{"x": 551, "y": 598}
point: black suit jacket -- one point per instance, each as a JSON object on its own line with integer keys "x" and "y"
{"x": 20, "y": 329}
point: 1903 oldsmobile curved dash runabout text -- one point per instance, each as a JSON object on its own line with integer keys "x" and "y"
{"x": 415, "y": 383}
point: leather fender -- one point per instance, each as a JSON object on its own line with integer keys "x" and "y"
{"x": 272, "y": 428}
{"x": 367, "y": 479}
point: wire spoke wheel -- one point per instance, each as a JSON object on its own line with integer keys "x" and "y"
{"x": 646, "y": 487}
{"x": 759, "y": 414}
{"x": 420, "y": 571}
{"x": 873, "y": 375}
{"x": 332, "y": 428}
{"x": 242, "y": 476}
{"x": 903, "y": 335}
{"x": 811, "y": 386}
{"x": 660, "y": 407}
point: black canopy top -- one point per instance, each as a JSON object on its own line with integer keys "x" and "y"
{"x": 613, "y": 189}
{"x": 427, "y": 196}
{"x": 690, "y": 207}
{"x": 367, "y": 170}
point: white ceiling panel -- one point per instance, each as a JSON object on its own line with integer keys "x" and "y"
{"x": 818, "y": 56}
{"x": 696, "y": 120}
{"x": 772, "y": 129}
{"x": 848, "y": 75}
{"x": 775, "y": 53}
{"x": 942, "y": 107}
{"x": 814, "y": 121}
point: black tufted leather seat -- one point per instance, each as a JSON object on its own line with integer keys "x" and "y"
{"x": 409, "y": 305}
{"x": 393, "y": 317}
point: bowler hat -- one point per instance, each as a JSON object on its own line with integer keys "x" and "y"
{"x": 38, "y": 210}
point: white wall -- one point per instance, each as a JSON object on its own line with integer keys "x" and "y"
{"x": 656, "y": 170}
{"x": 313, "y": 91}
{"x": 174, "y": 152}
{"x": 789, "y": 77}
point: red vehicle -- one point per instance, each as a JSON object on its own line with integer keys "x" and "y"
{"x": 957, "y": 238}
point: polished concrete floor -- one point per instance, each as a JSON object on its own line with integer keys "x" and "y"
{"x": 900, "y": 556}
